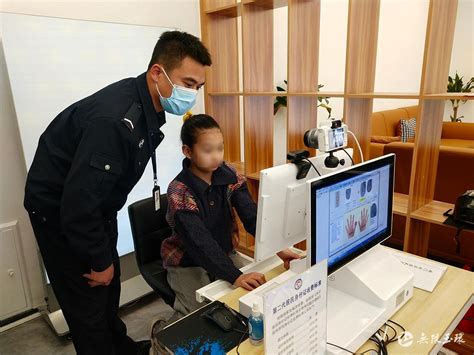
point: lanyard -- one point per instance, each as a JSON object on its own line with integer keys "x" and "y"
{"x": 156, "y": 188}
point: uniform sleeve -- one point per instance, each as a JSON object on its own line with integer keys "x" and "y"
{"x": 98, "y": 163}
{"x": 197, "y": 239}
{"x": 244, "y": 204}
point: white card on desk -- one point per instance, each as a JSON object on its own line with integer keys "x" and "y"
{"x": 427, "y": 273}
{"x": 295, "y": 313}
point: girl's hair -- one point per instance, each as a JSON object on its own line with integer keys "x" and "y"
{"x": 193, "y": 125}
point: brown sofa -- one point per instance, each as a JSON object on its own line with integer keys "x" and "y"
{"x": 454, "y": 176}
{"x": 384, "y": 130}
{"x": 384, "y": 127}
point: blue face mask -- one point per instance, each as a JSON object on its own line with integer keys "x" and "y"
{"x": 181, "y": 99}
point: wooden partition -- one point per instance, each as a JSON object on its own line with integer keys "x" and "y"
{"x": 437, "y": 57}
{"x": 220, "y": 34}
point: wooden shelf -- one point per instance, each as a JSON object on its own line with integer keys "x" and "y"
{"x": 269, "y": 4}
{"x": 317, "y": 94}
{"x": 385, "y": 95}
{"x": 254, "y": 176}
{"x": 367, "y": 95}
{"x": 400, "y": 204}
{"x": 231, "y": 93}
{"x": 432, "y": 212}
{"x": 280, "y": 93}
{"x": 253, "y": 61}
{"x": 228, "y": 10}
{"x": 247, "y": 250}
{"x": 449, "y": 96}
{"x": 239, "y": 166}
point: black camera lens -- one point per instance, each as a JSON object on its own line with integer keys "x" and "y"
{"x": 310, "y": 138}
{"x": 336, "y": 124}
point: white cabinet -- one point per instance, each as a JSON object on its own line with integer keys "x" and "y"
{"x": 13, "y": 299}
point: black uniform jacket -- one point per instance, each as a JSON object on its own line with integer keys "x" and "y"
{"x": 88, "y": 160}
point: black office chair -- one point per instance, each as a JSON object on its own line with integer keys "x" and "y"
{"x": 149, "y": 229}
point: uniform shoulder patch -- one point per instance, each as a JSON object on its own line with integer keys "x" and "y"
{"x": 130, "y": 120}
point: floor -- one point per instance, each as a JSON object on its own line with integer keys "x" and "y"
{"x": 37, "y": 337}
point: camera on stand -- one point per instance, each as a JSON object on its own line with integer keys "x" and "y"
{"x": 327, "y": 138}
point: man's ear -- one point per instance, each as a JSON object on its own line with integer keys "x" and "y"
{"x": 186, "y": 151}
{"x": 155, "y": 71}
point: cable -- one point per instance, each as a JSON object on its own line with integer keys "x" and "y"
{"x": 457, "y": 241}
{"x": 398, "y": 325}
{"x": 352, "y": 160}
{"x": 382, "y": 345}
{"x": 392, "y": 339}
{"x": 358, "y": 145}
{"x": 309, "y": 161}
{"x": 241, "y": 338}
{"x": 380, "y": 338}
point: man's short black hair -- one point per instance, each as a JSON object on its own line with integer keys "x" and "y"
{"x": 174, "y": 46}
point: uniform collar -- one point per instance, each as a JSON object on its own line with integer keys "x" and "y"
{"x": 222, "y": 176}
{"x": 154, "y": 120}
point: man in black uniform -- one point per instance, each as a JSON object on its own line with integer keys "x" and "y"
{"x": 87, "y": 161}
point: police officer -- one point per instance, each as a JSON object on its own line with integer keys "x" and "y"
{"x": 87, "y": 161}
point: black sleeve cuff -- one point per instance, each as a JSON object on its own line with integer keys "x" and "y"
{"x": 233, "y": 275}
{"x": 101, "y": 261}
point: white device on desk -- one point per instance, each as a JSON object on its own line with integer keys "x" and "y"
{"x": 282, "y": 199}
{"x": 281, "y": 219}
{"x": 350, "y": 213}
{"x": 281, "y": 223}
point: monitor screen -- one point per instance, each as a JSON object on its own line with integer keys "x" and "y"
{"x": 351, "y": 211}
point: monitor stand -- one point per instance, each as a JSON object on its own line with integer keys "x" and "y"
{"x": 363, "y": 295}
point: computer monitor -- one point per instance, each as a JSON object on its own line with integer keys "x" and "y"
{"x": 351, "y": 211}
{"x": 281, "y": 212}
{"x": 350, "y": 215}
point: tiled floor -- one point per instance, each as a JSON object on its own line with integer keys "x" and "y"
{"x": 37, "y": 337}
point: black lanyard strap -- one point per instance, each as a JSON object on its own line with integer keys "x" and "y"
{"x": 153, "y": 160}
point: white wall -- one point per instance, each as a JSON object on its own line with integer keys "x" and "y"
{"x": 400, "y": 47}
{"x": 183, "y": 14}
{"x": 462, "y": 58}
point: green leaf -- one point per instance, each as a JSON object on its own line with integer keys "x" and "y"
{"x": 276, "y": 107}
{"x": 281, "y": 100}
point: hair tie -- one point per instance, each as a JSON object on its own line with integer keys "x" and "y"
{"x": 187, "y": 116}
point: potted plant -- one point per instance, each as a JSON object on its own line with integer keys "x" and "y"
{"x": 456, "y": 84}
{"x": 281, "y": 101}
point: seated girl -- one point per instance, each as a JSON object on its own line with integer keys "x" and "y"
{"x": 201, "y": 199}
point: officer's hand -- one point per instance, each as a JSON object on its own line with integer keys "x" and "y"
{"x": 102, "y": 278}
{"x": 250, "y": 281}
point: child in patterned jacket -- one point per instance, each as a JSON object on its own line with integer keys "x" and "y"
{"x": 201, "y": 202}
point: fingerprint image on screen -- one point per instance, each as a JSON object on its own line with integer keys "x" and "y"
{"x": 348, "y": 194}
{"x": 363, "y": 186}
{"x": 369, "y": 185}
{"x": 362, "y": 217}
{"x": 373, "y": 210}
